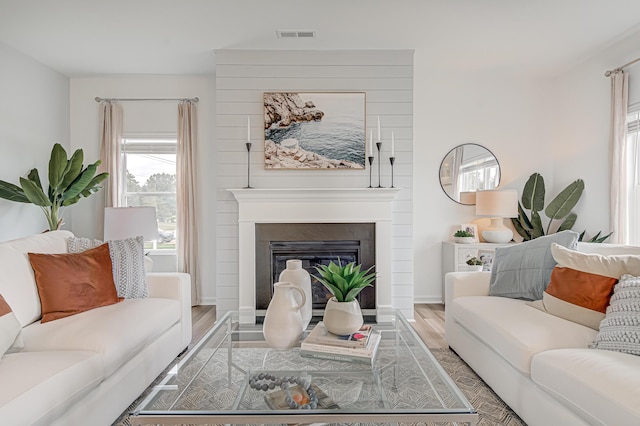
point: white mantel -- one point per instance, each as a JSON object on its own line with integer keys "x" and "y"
{"x": 314, "y": 205}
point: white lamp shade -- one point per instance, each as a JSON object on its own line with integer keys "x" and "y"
{"x": 468, "y": 197}
{"x": 497, "y": 203}
{"x": 126, "y": 222}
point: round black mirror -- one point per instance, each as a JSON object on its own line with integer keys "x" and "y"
{"x": 468, "y": 168}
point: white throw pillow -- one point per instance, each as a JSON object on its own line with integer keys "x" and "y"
{"x": 128, "y": 265}
{"x": 613, "y": 266}
{"x": 10, "y": 329}
{"x": 620, "y": 329}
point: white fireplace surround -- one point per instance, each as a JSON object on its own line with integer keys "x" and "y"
{"x": 314, "y": 205}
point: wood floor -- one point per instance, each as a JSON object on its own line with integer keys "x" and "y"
{"x": 429, "y": 323}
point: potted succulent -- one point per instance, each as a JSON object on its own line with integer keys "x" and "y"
{"x": 69, "y": 181}
{"x": 342, "y": 315}
{"x": 475, "y": 264}
{"x": 463, "y": 237}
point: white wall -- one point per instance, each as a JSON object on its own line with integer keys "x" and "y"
{"x": 581, "y": 137}
{"x": 241, "y": 78}
{"x": 145, "y": 117}
{"x": 34, "y": 114}
{"x": 508, "y": 114}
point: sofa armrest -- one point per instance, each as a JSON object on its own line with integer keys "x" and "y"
{"x": 459, "y": 284}
{"x": 174, "y": 285}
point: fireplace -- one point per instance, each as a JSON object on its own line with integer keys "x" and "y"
{"x": 313, "y": 244}
{"x": 335, "y": 206}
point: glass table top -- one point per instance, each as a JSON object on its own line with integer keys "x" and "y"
{"x": 211, "y": 383}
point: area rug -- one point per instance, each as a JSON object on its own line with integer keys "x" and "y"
{"x": 492, "y": 410}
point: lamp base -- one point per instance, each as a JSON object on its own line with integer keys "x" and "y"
{"x": 497, "y": 232}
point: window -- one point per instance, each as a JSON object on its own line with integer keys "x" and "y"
{"x": 150, "y": 180}
{"x": 633, "y": 180}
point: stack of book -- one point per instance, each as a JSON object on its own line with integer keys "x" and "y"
{"x": 361, "y": 346}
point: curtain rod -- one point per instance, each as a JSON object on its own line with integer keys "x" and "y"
{"x": 613, "y": 71}
{"x": 99, "y": 99}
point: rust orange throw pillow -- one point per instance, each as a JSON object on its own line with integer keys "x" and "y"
{"x": 71, "y": 283}
{"x": 577, "y": 296}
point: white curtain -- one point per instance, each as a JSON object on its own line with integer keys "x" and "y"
{"x": 110, "y": 140}
{"x": 618, "y": 150}
{"x": 187, "y": 235}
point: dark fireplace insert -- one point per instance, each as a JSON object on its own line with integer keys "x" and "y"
{"x": 314, "y": 244}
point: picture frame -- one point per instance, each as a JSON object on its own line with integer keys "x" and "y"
{"x": 486, "y": 257}
{"x": 314, "y": 130}
{"x": 472, "y": 228}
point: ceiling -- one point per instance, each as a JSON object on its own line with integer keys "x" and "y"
{"x": 91, "y": 37}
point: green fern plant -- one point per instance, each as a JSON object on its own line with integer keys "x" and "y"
{"x": 344, "y": 282}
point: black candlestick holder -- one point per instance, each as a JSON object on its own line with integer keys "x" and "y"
{"x": 370, "y": 169}
{"x": 392, "y": 160}
{"x": 379, "y": 146}
{"x": 248, "y": 166}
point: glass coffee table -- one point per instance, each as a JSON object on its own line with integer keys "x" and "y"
{"x": 212, "y": 384}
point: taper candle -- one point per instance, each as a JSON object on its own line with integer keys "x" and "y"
{"x": 393, "y": 145}
{"x": 370, "y": 142}
{"x": 378, "y": 128}
{"x": 248, "y": 129}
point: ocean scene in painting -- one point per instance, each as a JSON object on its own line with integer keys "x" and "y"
{"x": 339, "y": 135}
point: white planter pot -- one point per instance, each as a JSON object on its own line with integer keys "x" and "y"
{"x": 464, "y": 240}
{"x": 342, "y": 317}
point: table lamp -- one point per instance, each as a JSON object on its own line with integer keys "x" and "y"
{"x": 497, "y": 205}
{"x": 121, "y": 223}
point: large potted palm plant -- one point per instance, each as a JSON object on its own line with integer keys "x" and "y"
{"x": 342, "y": 315}
{"x": 69, "y": 181}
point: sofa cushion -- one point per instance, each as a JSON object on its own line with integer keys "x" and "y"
{"x": 116, "y": 331}
{"x": 516, "y": 331}
{"x": 600, "y": 385}
{"x": 128, "y": 263}
{"x": 614, "y": 266}
{"x": 620, "y": 330}
{"x": 17, "y": 284}
{"x": 577, "y": 296}
{"x": 523, "y": 270}
{"x": 10, "y": 329}
{"x": 71, "y": 283}
{"x": 45, "y": 384}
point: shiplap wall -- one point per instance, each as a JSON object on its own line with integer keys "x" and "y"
{"x": 241, "y": 78}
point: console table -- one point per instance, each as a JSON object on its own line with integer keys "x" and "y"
{"x": 455, "y": 256}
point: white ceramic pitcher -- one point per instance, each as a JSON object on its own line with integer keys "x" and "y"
{"x": 283, "y": 321}
{"x": 297, "y": 275}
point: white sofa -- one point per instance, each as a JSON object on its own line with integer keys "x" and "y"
{"x": 539, "y": 364}
{"x": 87, "y": 368}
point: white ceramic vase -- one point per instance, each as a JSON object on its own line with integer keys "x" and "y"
{"x": 283, "y": 323}
{"x": 342, "y": 317}
{"x": 299, "y": 277}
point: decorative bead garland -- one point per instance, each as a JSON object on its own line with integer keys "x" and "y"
{"x": 285, "y": 384}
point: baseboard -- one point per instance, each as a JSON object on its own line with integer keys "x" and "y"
{"x": 428, "y": 300}
{"x": 208, "y": 301}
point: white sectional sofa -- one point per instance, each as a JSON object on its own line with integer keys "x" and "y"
{"x": 87, "y": 368}
{"x": 539, "y": 364}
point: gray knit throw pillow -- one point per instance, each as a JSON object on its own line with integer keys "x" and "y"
{"x": 620, "y": 329}
{"x": 127, "y": 263}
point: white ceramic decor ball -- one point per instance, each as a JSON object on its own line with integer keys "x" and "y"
{"x": 296, "y": 275}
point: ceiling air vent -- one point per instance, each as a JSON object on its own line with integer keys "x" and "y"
{"x": 296, "y": 34}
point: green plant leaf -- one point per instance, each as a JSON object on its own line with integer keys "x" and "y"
{"x": 568, "y": 223}
{"x": 81, "y": 182}
{"x": 57, "y": 164}
{"x": 71, "y": 201}
{"x": 581, "y": 236}
{"x": 565, "y": 200}
{"x": 34, "y": 194}
{"x": 533, "y": 193}
{"x": 34, "y": 177}
{"x": 536, "y": 222}
{"x": 11, "y": 192}
{"x": 72, "y": 169}
{"x": 602, "y": 239}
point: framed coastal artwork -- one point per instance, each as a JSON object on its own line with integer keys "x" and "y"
{"x": 305, "y": 130}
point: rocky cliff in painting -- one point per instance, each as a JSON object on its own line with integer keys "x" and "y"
{"x": 289, "y": 155}
{"x": 286, "y": 108}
